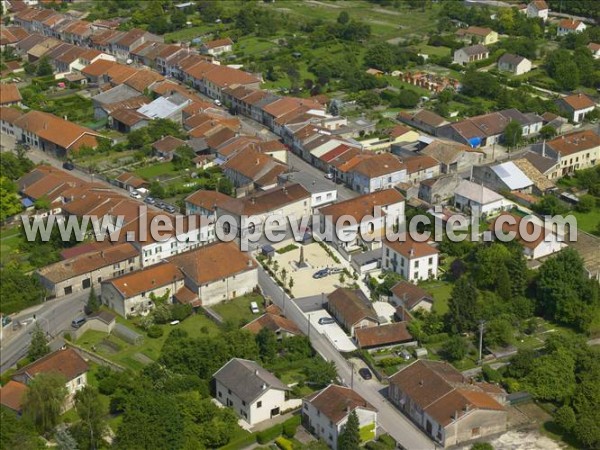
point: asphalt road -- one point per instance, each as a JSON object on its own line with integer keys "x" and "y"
{"x": 53, "y": 316}
{"x": 297, "y": 163}
{"x": 388, "y": 417}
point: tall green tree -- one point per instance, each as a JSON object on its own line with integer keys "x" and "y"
{"x": 455, "y": 348}
{"x": 44, "y": 400}
{"x": 349, "y": 438}
{"x": 39, "y": 344}
{"x": 267, "y": 344}
{"x": 93, "y": 303}
{"x": 92, "y": 412}
{"x": 44, "y": 67}
{"x": 152, "y": 420}
{"x": 17, "y": 433}
{"x": 513, "y": 133}
{"x": 462, "y": 312}
{"x": 565, "y": 292}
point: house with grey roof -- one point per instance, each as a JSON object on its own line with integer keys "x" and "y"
{"x": 473, "y": 53}
{"x": 254, "y": 393}
{"x": 515, "y": 64}
{"x": 505, "y": 177}
{"x": 476, "y": 198}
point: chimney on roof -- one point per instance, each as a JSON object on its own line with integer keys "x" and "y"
{"x": 421, "y": 383}
{"x": 249, "y": 263}
{"x": 253, "y": 200}
{"x": 256, "y": 372}
{"x": 412, "y": 252}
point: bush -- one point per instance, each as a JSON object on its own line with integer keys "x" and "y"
{"x": 287, "y": 248}
{"x": 387, "y": 440}
{"x": 67, "y": 336}
{"x": 155, "y": 331}
{"x": 290, "y": 425}
{"x": 269, "y": 434}
{"x": 284, "y": 444}
{"x": 180, "y": 312}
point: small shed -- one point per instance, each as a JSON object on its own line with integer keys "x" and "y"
{"x": 420, "y": 352}
{"x": 268, "y": 250}
{"x": 127, "y": 334}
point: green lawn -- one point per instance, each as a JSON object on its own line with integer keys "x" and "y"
{"x": 441, "y": 291}
{"x": 125, "y": 354}
{"x": 187, "y": 34}
{"x": 238, "y": 309}
{"x": 73, "y": 107}
{"x": 588, "y": 221}
{"x": 434, "y": 51}
{"x": 156, "y": 170}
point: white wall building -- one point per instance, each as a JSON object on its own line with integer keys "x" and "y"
{"x": 411, "y": 259}
{"x": 252, "y": 392}
{"x": 326, "y": 412}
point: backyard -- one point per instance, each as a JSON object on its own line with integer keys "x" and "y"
{"x": 237, "y": 311}
{"x": 136, "y": 357}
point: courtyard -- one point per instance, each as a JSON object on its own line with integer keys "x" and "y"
{"x": 315, "y": 258}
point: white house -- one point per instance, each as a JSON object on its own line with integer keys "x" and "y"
{"x": 370, "y": 173}
{"x": 595, "y": 49}
{"x": 326, "y": 412}
{"x": 568, "y": 26}
{"x": 135, "y": 293}
{"x": 66, "y": 362}
{"x": 252, "y": 392}
{"x": 472, "y": 197}
{"x": 217, "y": 272}
{"x": 473, "y": 53}
{"x": 538, "y": 9}
{"x": 411, "y": 259}
{"x": 576, "y": 105}
{"x": 217, "y": 46}
{"x": 362, "y": 209}
{"x": 537, "y": 241}
{"x": 515, "y": 64}
{"x": 322, "y": 191}
{"x": 180, "y": 234}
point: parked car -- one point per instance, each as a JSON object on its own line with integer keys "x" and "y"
{"x": 326, "y": 321}
{"x": 404, "y": 355}
{"x": 135, "y": 194}
{"x": 334, "y": 270}
{"x": 76, "y": 323}
{"x": 171, "y": 209}
{"x": 254, "y": 308}
{"x": 149, "y": 200}
{"x": 68, "y": 165}
{"x": 321, "y": 274}
{"x": 365, "y": 373}
{"x": 218, "y": 102}
{"x": 329, "y": 176}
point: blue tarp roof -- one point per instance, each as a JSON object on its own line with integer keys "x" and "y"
{"x": 475, "y": 142}
{"x": 26, "y": 202}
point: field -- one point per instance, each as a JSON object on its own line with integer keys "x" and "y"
{"x": 386, "y": 24}
{"x": 156, "y": 170}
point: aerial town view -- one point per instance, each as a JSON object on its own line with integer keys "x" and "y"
{"x": 300, "y": 224}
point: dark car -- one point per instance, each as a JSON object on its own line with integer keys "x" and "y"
{"x": 365, "y": 373}
{"x": 326, "y": 321}
{"x": 171, "y": 209}
{"x": 321, "y": 273}
{"x": 68, "y": 165}
{"x": 76, "y": 323}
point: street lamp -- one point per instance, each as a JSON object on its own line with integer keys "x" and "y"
{"x": 481, "y": 328}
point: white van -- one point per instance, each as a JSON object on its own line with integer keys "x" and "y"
{"x": 254, "y": 308}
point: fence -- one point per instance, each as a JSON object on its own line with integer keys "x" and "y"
{"x": 88, "y": 354}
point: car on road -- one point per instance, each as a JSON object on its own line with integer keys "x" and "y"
{"x": 365, "y": 373}
{"x": 329, "y": 176}
{"x": 326, "y": 321}
{"x": 77, "y": 323}
{"x": 68, "y": 165}
{"x": 149, "y": 200}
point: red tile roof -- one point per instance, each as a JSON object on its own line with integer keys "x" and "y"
{"x": 9, "y": 93}
{"x": 336, "y": 402}
{"x": 67, "y": 362}
{"x": 362, "y": 206}
{"x": 388, "y": 334}
{"x": 11, "y": 395}
{"x": 410, "y": 248}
